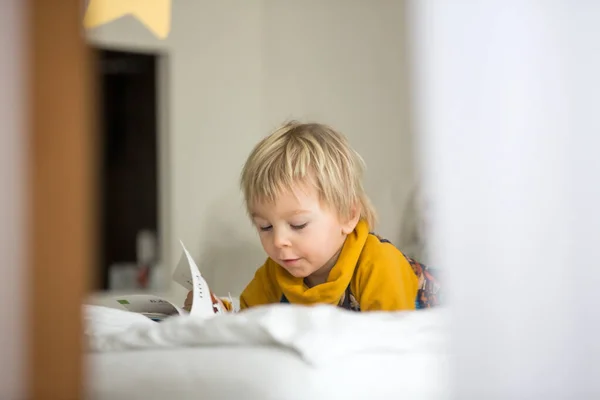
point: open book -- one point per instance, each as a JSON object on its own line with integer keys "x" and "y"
{"x": 187, "y": 275}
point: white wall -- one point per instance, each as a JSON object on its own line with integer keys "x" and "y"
{"x": 237, "y": 69}
{"x": 12, "y": 202}
{"x": 508, "y": 95}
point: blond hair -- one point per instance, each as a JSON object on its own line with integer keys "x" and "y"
{"x": 308, "y": 153}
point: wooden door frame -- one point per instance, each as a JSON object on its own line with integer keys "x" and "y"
{"x": 62, "y": 169}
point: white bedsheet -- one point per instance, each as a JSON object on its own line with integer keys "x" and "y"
{"x": 262, "y": 373}
{"x": 277, "y": 352}
{"x": 318, "y": 334}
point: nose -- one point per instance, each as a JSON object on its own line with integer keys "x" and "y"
{"x": 280, "y": 239}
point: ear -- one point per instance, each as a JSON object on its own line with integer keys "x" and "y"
{"x": 349, "y": 225}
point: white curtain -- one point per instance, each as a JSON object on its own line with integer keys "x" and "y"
{"x": 507, "y": 113}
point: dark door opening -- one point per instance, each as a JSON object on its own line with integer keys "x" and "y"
{"x": 129, "y": 203}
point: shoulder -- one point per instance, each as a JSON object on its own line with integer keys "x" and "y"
{"x": 384, "y": 279}
{"x": 381, "y": 260}
{"x": 381, "y": 253}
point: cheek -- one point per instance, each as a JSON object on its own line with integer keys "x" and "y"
{"x": 265, "y": 241}
{"x": 333, "y": 240}
{"x": 318, "y": 242}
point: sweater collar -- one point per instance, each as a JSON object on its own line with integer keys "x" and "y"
{"x": 339, "y": 277}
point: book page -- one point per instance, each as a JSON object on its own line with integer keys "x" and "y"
{"x": 151, "y": 306}
{"x": 188, "y": 275}
{"x": 183, "y": 271}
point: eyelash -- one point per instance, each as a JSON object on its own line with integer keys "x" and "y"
{"x": 295, "y": 227}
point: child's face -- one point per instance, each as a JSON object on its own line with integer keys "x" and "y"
{"x": 301, "y": 235}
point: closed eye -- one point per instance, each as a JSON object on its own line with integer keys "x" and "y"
{"x": 299, "y": 227}
{"x": 265, "y": 228}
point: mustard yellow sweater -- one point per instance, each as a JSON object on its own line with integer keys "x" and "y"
{"x": 377, "y": 274}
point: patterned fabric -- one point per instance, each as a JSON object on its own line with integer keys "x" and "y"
{"x": 348, "y": 301}
{"x": 428, "y": 294}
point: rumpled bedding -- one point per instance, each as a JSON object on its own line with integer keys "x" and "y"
{"x": 318, "y": 334}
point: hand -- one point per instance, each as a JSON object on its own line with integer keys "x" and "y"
{"x": 217, "y": 302}
{"x": 218, "y": 305}
{"x": 189, "y": 300}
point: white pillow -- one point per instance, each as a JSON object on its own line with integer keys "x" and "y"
{"x": 100, "y": 320}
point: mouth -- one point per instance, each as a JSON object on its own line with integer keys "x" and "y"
{"x": 290, "y": 261}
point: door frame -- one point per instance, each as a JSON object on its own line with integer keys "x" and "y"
{"x": 62, "y": 167}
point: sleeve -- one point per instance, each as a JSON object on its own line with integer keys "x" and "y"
{"x": 386, "y": 282}
{"x": 262, "y": 289}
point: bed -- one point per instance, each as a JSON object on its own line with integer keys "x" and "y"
{"x": 276, "y": 352}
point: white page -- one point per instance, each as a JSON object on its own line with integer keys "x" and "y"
{"x": 142, "y": 303}
{"x": 183, "y": 273}
{"x": 188, "y": 275}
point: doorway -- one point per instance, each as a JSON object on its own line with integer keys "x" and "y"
{"x": 129, "y": 171}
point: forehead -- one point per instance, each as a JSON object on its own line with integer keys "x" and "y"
{"x": 300, "y": 199}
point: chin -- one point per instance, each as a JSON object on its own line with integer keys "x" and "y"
{"x": 297, "y": 272}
